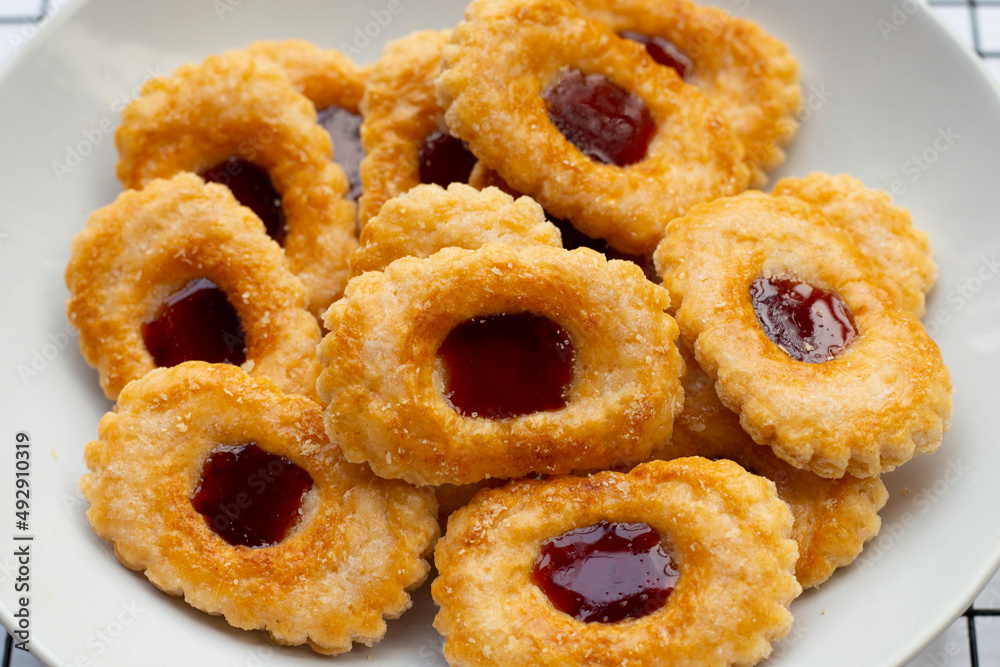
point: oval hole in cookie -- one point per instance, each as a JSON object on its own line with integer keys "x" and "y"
{"x": 196, "y": 323}
{"x": 445, "y": 159}
{"x": 253, "y": 188}
{"x": 507, "y": 365}
{"x": 606, "y": 572}
{"x": 249, "y": 497}
{"x": 662, "y": 51}
{"x": 344, "y": 128}
{"x": 808, "y": 323}
{"x": 607, "y": 124}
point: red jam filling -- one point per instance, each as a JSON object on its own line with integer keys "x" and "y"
{"x": 252, "y": 187}
{"x": 606, "y": 572}
{"x": 505, "y": 365}
{"x": 445, "y": 159}
{"x": 662, "y": 51}
{"x": 344, "y": 129}
{"x": 604, "y": 122}
{"x": 809, "y": 323}
{"x": 196, "y": 323}
{"x": 248, "y": 497}
{"x": 572, "y": 238}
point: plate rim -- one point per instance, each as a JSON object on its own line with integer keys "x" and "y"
{"x": 944, "y": 617}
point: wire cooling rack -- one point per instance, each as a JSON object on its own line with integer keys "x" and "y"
{"x": 971, "y": 641}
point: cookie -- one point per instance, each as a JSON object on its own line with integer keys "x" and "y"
{"x": 335, "y": 86}
{"x": 833, "y": 518}
{"x": 802, "y": 340}
{"x": 499, "y": 362}
{"x": 531, "y": 85}
{"x": 748, "y": 75}
{"x": 708, "y": 583}
{"x": 882, "y": 232}
{"x": 233, "y": 118}
{"x": 429, "y": 218}
{"x": 349, "y": 549}
{"x": 180, "y": 271}
{"x": 404, "y": 136}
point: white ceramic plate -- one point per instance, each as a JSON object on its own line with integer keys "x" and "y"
{"x": 891, "y": 98}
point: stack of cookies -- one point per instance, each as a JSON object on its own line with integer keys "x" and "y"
{"x": 505, "y": 284}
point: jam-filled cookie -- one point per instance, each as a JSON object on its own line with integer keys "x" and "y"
{"x": 803, "y": 342}
{"x": 750, "y": 76}
{"x": 326, "y": 76}
{"x": 584, "y": 121}
{"x": 240, "y": 122}
{"x": 335, "y": 85}
{"x": 227, "y": 492}
{"x": 833, "y": 518}
{"x": 429, "y": 218}
{"x": 483, "y": 177}
{"x": 499, "y": 362}
{"x": 404, "y": 136}
{"x": 686, "y": 562}
{"x": 882, "y": 232}
{"x": 179, "y": 271}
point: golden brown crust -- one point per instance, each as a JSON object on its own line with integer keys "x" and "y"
{"x": 483, "y": 177}
{"x": 882, "y": 232}
{"x": 400, "y": 110}
{"x": 453, "y": 497}
{"x": 833, "y": 518}
{"x": 499, "y": 62}
{"x": 729, "y": 534}
{"x": 148, "y": 244}
{"x": 326, "y": 76}
{"x": 234, "y": 106}
{"x": 748, "y": 75}
{"x": 386, "y": 388}
{"x": 347, "y": 564}
{"x": 429, "y": 218}
{"x": 884, "y": 399}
